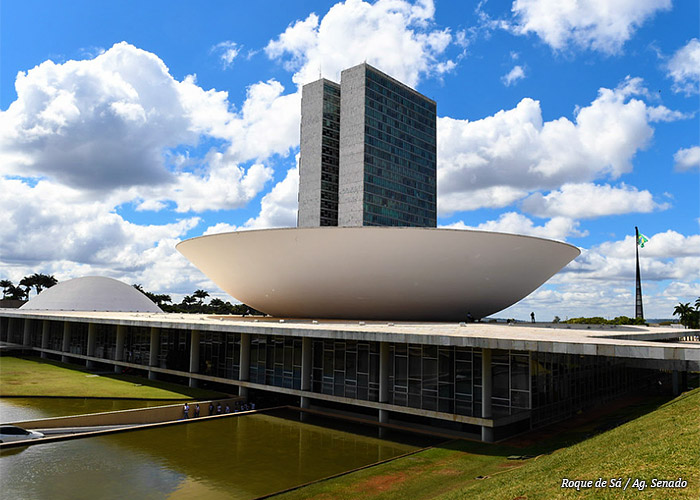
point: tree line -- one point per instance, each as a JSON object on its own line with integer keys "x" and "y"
{"x": 194, "y": 304}
{"x": 21, "y": 291}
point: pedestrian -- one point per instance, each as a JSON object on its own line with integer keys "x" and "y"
{"x": 227, "y": 409}
{"x": 186, "y": 411}
{"x": 211, "y": 408}
{"x": 196, "y": 410}
{"x": 218, "y": 408}
{"x": 470, "y": 318}
{"x": 532, "y": 317}
{"x": 252, "y": 406}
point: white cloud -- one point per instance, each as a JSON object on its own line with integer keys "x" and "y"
{"x": 267, "y": 124}
{"x": 585, "y": 201}
{"x": 558, "y": 228}
{"x": 228, "y": 51}
{"x": 684, "y": 68}
{"x": 515, "y": 74}
{"x": 687, "y": 158}
{"x": 278, "y": 208}
{"x": 666, "y": 256}
{"x": 220, "y": 227}
{"x": 394, "y": 35}
{"x": 120, "y": 125}
{"x": 600, "y": 25}
{"x": 494, "y": 161}
{"x": 56, "y": 229}
{"x": 601, "y": 281}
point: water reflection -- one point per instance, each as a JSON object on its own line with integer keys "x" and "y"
{"x": 235, "y": 457}
{"x": 20, "y": 409}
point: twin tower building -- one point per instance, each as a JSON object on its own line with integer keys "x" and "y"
{"x": 368, "y": 153}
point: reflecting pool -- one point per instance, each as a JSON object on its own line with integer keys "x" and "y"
{"x": 19, "y": 409}
{"x": 238, "y": 457}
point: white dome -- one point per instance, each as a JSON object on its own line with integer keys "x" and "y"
{"x": 92, "y": 293}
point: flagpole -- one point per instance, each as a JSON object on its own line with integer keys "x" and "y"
{"x": 639, "y": 309}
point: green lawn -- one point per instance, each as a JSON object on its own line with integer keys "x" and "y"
{"x": 663, "y": 443}
{"x": 40, "y": 377}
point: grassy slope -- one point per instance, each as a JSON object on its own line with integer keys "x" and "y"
{"x": 664, "y": 443}
{"x": 38, "y": 377}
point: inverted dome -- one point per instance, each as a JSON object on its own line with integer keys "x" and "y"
{"x": 392, "y": 273}
{"x": 92, "y": 293}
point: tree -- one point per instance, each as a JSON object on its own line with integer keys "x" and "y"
{"x": 16, "y": 293}
{"x": 159, "y": 299}
{"x": 685, "y": 313}
{"x": 5, "y": 284}
{"x": 27, "y": 282}
{"x": 201, "y": 295}
{"x": 188, "y": 301}
{"x": 42, "y": 281}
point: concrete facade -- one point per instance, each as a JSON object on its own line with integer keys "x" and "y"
{"x": 488, "y": 342}
{"x": 318, "y": 163}
{"x": 385, "y": 173}
{"x": 352, "y": 147}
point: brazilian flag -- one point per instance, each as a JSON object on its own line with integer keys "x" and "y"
{"x": 641, "y": 240}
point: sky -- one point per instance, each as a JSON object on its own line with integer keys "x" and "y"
{"x": 126, "y": 127}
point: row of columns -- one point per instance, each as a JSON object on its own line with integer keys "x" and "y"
{"x": 244, "y": 363}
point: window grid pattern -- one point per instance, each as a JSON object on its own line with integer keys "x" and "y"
{"x": 275, "y": 360}
{"x": 330, "y": 147}
{"x": 220, "y": 354}
{"x": 78, "y": 338}
{"x": 56, "y": 335}
{"x": 137, "y": 345}
{"x": 105, "y": 341}
{"x": 400, "y": 155}
{"x": 174, "y": 349}
{"x": 346, "y": 368}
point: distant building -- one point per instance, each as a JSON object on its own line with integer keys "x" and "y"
{"x": 368, "y": 153}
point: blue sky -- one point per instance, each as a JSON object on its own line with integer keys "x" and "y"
{"x": 128, "y": 126}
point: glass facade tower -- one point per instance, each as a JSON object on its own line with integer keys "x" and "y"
{"x": 368, "y": 153}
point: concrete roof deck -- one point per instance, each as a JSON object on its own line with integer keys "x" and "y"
{"x": 639, "y": 342}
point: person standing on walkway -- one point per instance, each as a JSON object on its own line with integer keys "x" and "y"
{"x": 532, "y": 317}
{"x": 196, "y": 410}
{"x": 186, "y": 411}
{"x": 211, "y": 408}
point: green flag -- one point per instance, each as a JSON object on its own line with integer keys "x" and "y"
{"x": 641, "y": 239}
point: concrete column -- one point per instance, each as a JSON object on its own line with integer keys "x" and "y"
{"x": 119, "y": 348}
{"x": 384, "y": 380}
{"x": 91, "y": 340}
{"x": 675, "y": 383}
{"x": 11, "y": 325}
{"x": 3, "y": 330}
{"x": 65, "y": 347}
{"x": 486, "y": 387}
{"x": 244, "y": 371}
{"x": 305, "y": 370}
{"x": 155, "y": 346}
{"x": 194, "y": 357}
{"x": 27, "y": 337}
{"x": 45, "y": 328}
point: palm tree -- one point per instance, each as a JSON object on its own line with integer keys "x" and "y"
{"x": 28, "y": 282}
{"x": 5, "y": 284}
{"x": 685, "y": 312}
{"x": 16, "y": 293}
{"x": 188, "y": 301}
{"x": 201, "y": 295}
{"x": 42, "y": 281}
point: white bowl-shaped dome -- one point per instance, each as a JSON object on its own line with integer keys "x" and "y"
{"x": 390, "y": 273}
{"x": 92, "y": 293}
